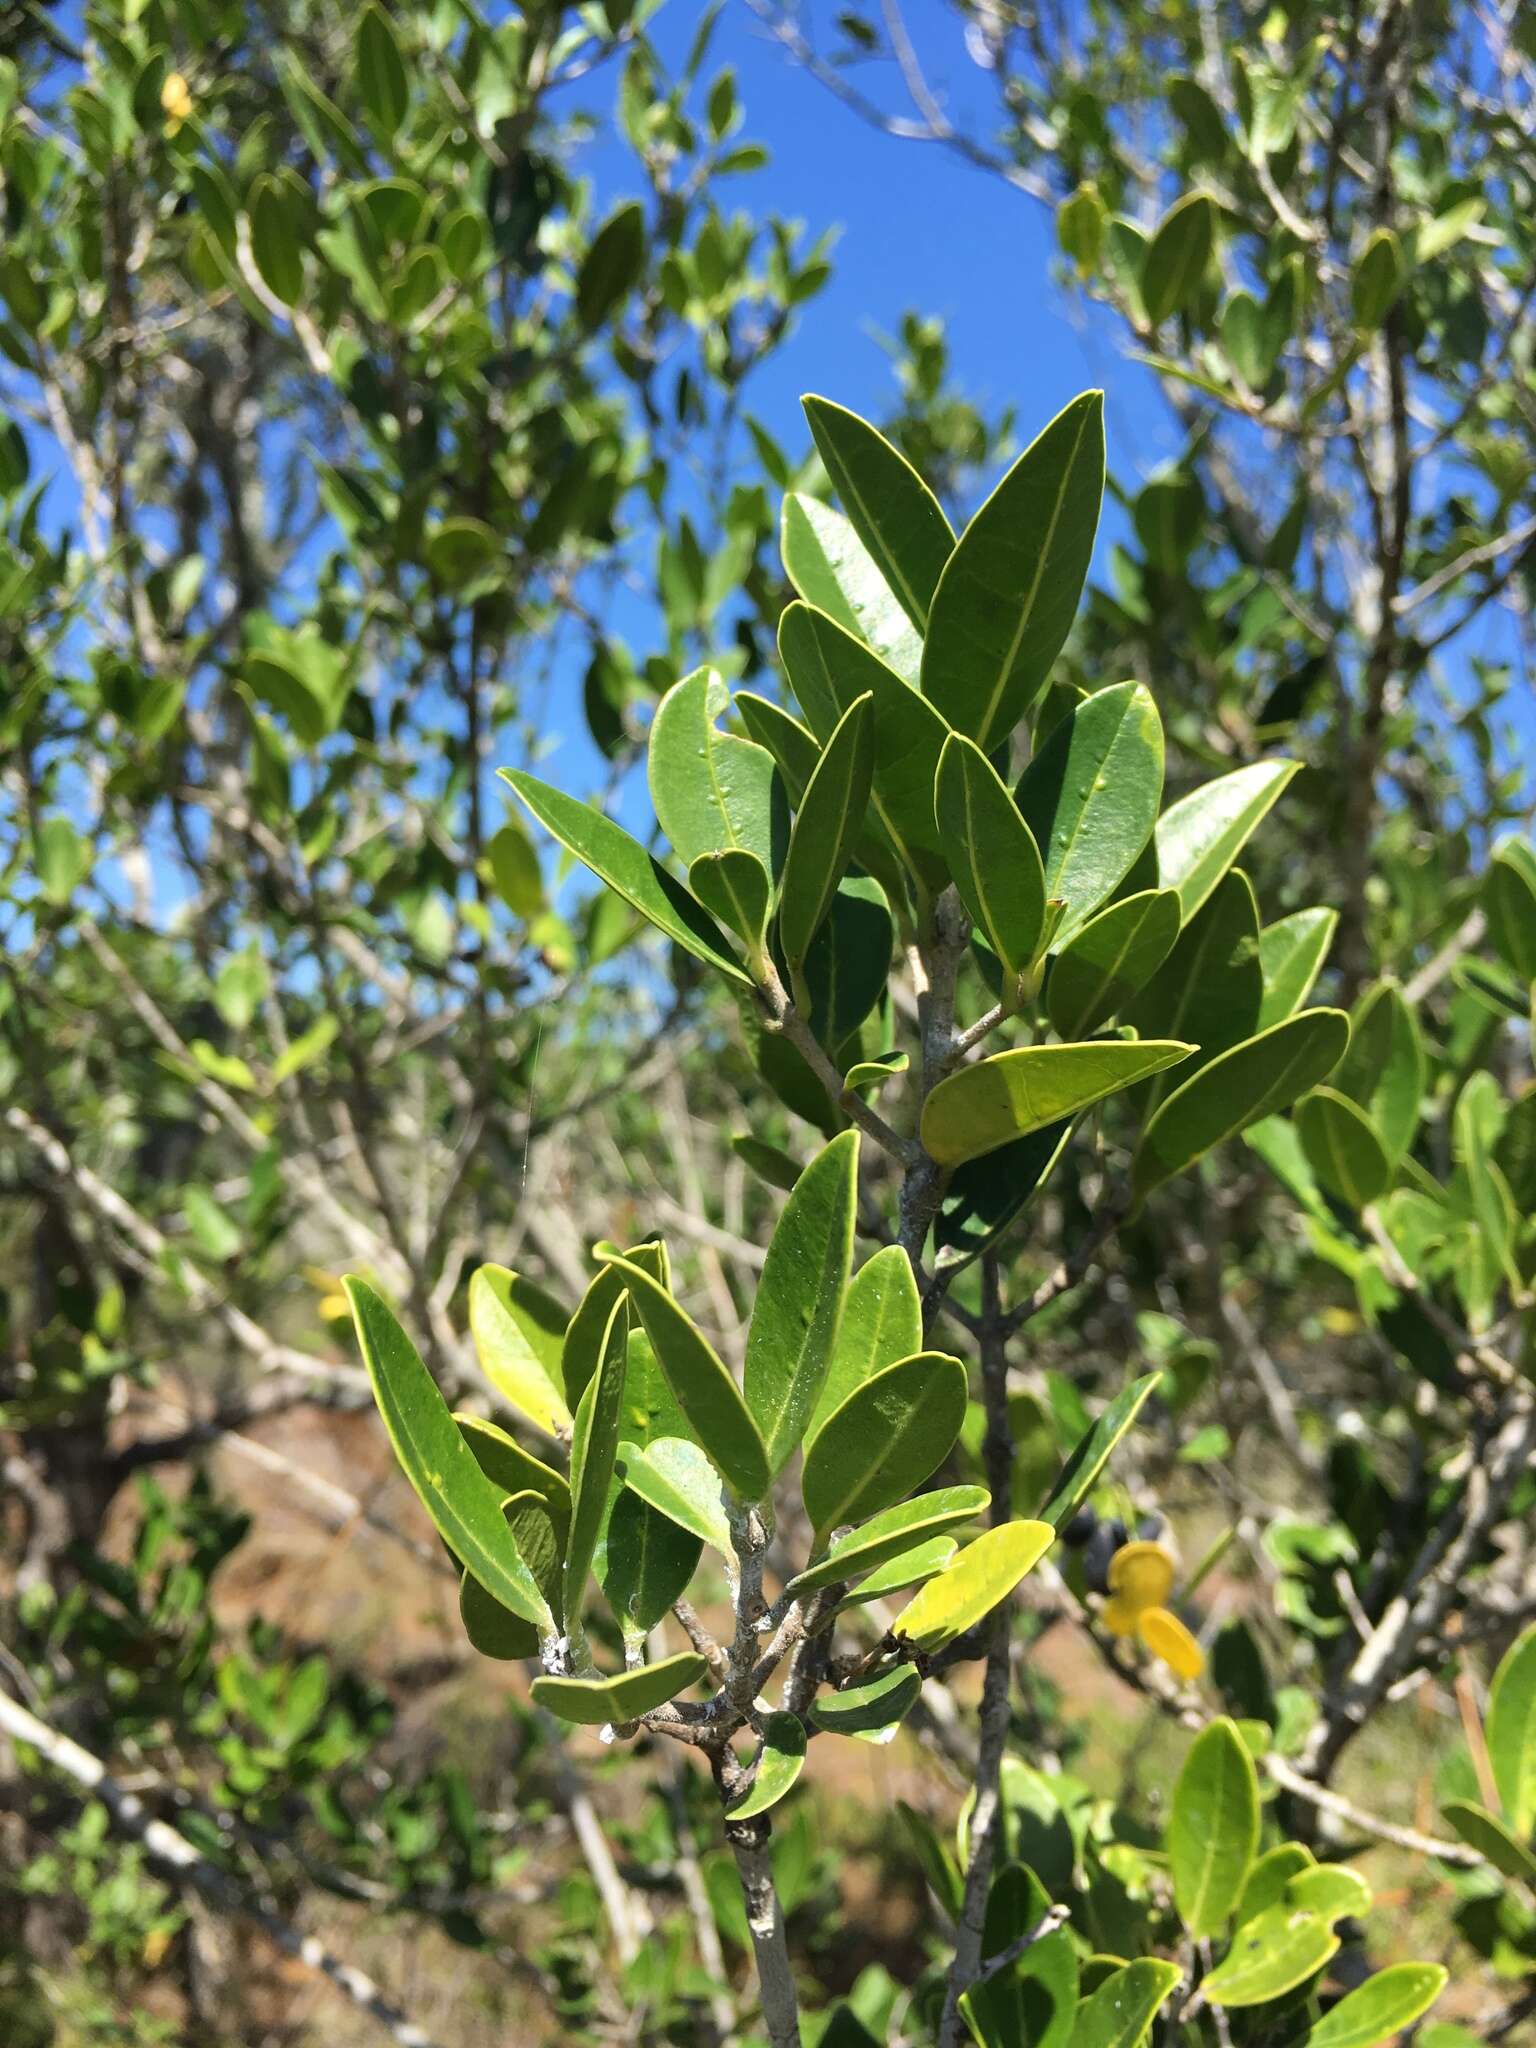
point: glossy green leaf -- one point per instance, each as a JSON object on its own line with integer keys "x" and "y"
{"x": 1090, "y": 797}
{"x": 1383, "y": 1067}
{"x": 711, "y": 789}
{"x": 676, "y": 1478}
{"x": 792, "y": 745}
{"x": 892, "y": 510}
{"x": 874, "y": 1073}
{"x": 991, "y": 853}
{"x": 986, "y": 1105}
{"x": 1120, "y": 2011}
{"x": 874, "y": 1709}
{"x": 495, "y": 1631}
{"x": 984, "y": 1573}
{"x": 504, "y": 1461}
{"x": 1331, "y": 1889}
{"x": 705, "y": 1391}
{"x": 1509, "y": 904}
{"x": 382, "y": 81}
{"x": 643, "y": 1561}
{"x": 882, "y": 1323}
{"x": 594, "y": 1448}
{"x": 1035, "y": 1999}
{"x": 899, "y": 1574}
{"x": 1114, "y": 954}
{"x": 1512, "y": 1732}
{"x": 892, "y": 1533}
{"x": 1291, "y": 953}
{"x": 779, "y": 1761}
{"x": 1213, "y": 1829}
{"x": 1199, "y": 837}
{"x": 983, "y": 1197}
{"x": 769, "y": 1162}
{"x": 1005, "y": 602}
{"x": 832, "y": 569}
{"x": 1271, "y": 1954}
{"x": 1378, "y": 2010}
{"x": 592, "y": 1702}
{"x": 1092, "y": 1453}
{"x": 827, "y": 827}
{"x": 733, "y": 887}
{"x": 623, "y": 863}
{"x": 1210, "y": 987}
{"x": 884, "y": 1440}
{"x": 849, "y": 961}
{"x": 1343, "y": 1148}
{"x": 799, "y": 1300}
{"x": 1173, "y": 269}
{"x": 612, "y": 265}
{"x": 465, "y": 1506}
{"x": 1269, "y": 1876}
{"x": 1251, "y": 1080}
{"x": 1492, "y": 1840}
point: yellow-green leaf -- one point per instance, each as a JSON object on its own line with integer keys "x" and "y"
{"x": 591, "y": 1702}
{"x": 1213, "y": 1829}
{"x": 966, "y": 1591}
{"x": 519, "y": 1333}
{"x": 991, "y": 853}
{"x": 987, "y": 1105}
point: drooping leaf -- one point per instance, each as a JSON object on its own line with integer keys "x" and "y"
{"x": 890, "y": 1534}
{"x": 966, "y": 1591}
{"x": 892, "y": 510}
{"x": 1174, "y": 266}
{"x": 1013, "y": 1093}
{"x": 1080, "y": 1474}
{"x": 643, "y": 1561}
{"x": 594, "y": 1447}
{"x": 1213, "y": 1829}
{"x": 1378, "y": 2010}
{"x": 874, "y": 1709}
{"x": 593, "y": 1701}
{"x": 780, "y": 1760}
{"x": 1114, "y": 954}
{"x": 1007, "y": 596}
{"x": 1343, "y": 1148}
{"x": 1291, "y": 952}
{"x": 1199, "y": 837}
{"x": 712, "y": 790}
{"x": 1271, "y": 1954}
{"x": 1512, "y": 1732}
{"x": 676, "y": 1478}
{"x": 884, "y": 1440}
{"x": 882, "y": 1323}
{"x": 991, "y": 853}
{"x": 832, "y": 569}
{"x": 827, "y": 827}
{"x": 1123, "y": 2007}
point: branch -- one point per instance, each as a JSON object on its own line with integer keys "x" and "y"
{"x": 1368, "y": 1823}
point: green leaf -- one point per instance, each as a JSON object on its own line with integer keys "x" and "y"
{"x": 1125, "y": 2004}
{"x": 800, "y": 1298}
{"x": 891, "y": 1534}
{"x": 1210, "y": 987}
{"x": 832, "y": 569}
{"x": 594, "y": 1448}
{"x": 908, "y": 1568}
{"x": 382, "y": 83}
{"x": 874, "y": 1073}
{"x": 1251, "y": 1080}
{"x": 1291, "y": 952}
{"x": 519, "y": 1335}
{"x": 1271, "y": 1954}
{"x": 515, "y": 871}
{"x": 1080, "y": 1474}
{"x": 705, "y": 1391}
{"x": 882, "y": 1323}
{"x": 1509, "y": 904}
{"x": 494, "y": 1630}
{"x": 827, "y": 827}
{"x": 275, "y": 246}
{"x": 1103, "y": 965}
{"x": 768, "y": 1162}
{"x": 1331, "y": 1889}
{"x": 592, "y": 1702}
{"x": 849, "y": 962}
{"x": 464, "y": 1505}
{"x": 1379, "y": 275}
{"x": 1492, "y": 1840}
{"x": 1383, "y": 1068}
{"x": 792, "y": 745}
{"x": 779, "y": 1761}
{"x": 1001, "y": 1098}
{"x": 1269, "y": 1876}
{"x": 1343, "y": 1148}
{"x": 63, "y": 859}
{"x": 1512, "y": 1732}
{"x": 984, "y": 1196}
{"x": 304, "y": 1050}
{"x": 1199, "y": 837}
{"x": 991, "y": 853}
{"x": 1090, "y": 797}
{"x": 872, "y": 1710}
{"x": 1173, "y": 269}
{"x": 611, "y": 268}
{"x": 1378, "y": 2010}
{"x": 460, "y": 550}
{"x": 676, "y": 1478}
{"x": 733, "y": 886}
{"x": 643, "y": 1562}
{"x": 966, "y": 1591}
{"x": 1006, "y": 600}
{"x": 1034, "y": 1999}
{"x": 623, "y": 863}
{"x": 892, "y": 510}
{"x": 1213, "y": 1829}
{"x": 884, "y": 1440}
{"x": 711, "y": 789}
{"x": 507, "y": 1465}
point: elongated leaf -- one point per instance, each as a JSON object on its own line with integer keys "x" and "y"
{"x": 991, "y": 853}
{"x": 712, "y": 789}
{"x": 678, "y": 1481}
{"x": 849, "y": 962}
{"x": 1174, "y": 266}
{"x": 594, "y": 1447}
{"x": 891, "y": 1534}
{"x": 382, "y": 81}
{"x": 623, "y": 863}
{"x": 464, "y": 1505}
{"x": 1343, "y": 1148}
{"x": 1124, "y": 2006}
{"x": 1383, "y": 1068}
{"x": 733, "y": 886}
{"x": 1512, "y": 1732}
{"x": 1291, "y": 952}
{"x": 1250, "y": 1081}
{"x": 507, "y": 1465}
{"x": 1210, "y": 987}
{"x": 985, "y": 1195}
{"x": 984, "y": 1106}
{"x": 594, "y": 1701}
{"x": 1213, "y": 1829}
{"x": 1035, "y": 1999}
{"x": 1006, "y": 599}
{"x": 1090, "y": 797}
{"x": 984, "y": 1573}
{"x": 1199, "y": 837}
{"x": 643, "y": 1561}
{"x": 1102, "y": 966}
{"x": 1080, "y": 1474}
{"x": 705, "y": 1391}
{"x": 882, "y": 1323}
{"x": 800, "y": 1298}
{"x": 827, "y": 827}
{"x": 1509, "y": 904}
{"x": 891, "y": 509}
{"x": 884, "y": 1440}
{"x": 832, "y": 569}
{"x": 494, "y": 1630}
{"x": 1378, "y": 2010}
{"x": 875, "y": 1709}
{"x": 792, "y": 745}
{"x": 780, "y": 1760}
{"x": 587, "y": 1333}
{"x": 612, "y": 265}
{"x": 901, "y": 1573}
{"x": 1492, "y": 1840}
{"x": 1271, "y": 1954}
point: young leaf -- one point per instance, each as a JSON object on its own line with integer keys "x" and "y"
{"x": 884, "y": 1440}
{"x": 1124, "y": 2006}
{"x": 1199, "y": 837}
{"x": 899, "y": 1574}
{"x": 991, "y": 853}
{"x": 1512, "y": 1732}
{"x": 1271, "y": 1954}
{"x": 733, "y": 886}
{"x": 594, "y": 1447}
{"x": 676, "y": 1478}
{"x": 1174, "y": 266}
{"x": 891, "y": 1534}
{"x": 593, "y": 1701}
{"x": 779, "y": 1761}
{"x": 1378, "y": 2010}
{"x": 966, "y": 1591}
{"x": 984, "y": 1106}
{"x": 464, "y": 1505}
{"x": 643, "y": 1561}
{"x": 832, "y": 569}
{"x": 1250, "y": 1081}
{"x": 892, "y": 510}
{"x": 1213, "y": 1829}
{"x": 1102, "y": 966}
{"x": 1291, "y": 952}
{"x": 623, "y": 863}
{"x": 827, "y": 827}
{"x": 1343, "y": 1148}
{"x": 711, "y": 789}
{"x": 1090, "y": 797}
{"x": 871, "y": 1710}
{"x": 882, "y": 1323}
{"x": 1080, "y": 1474}
{"x": 800, "y": 1298}
{"x": 1006, "y": 599}
{"x": 705, "y": 1391}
